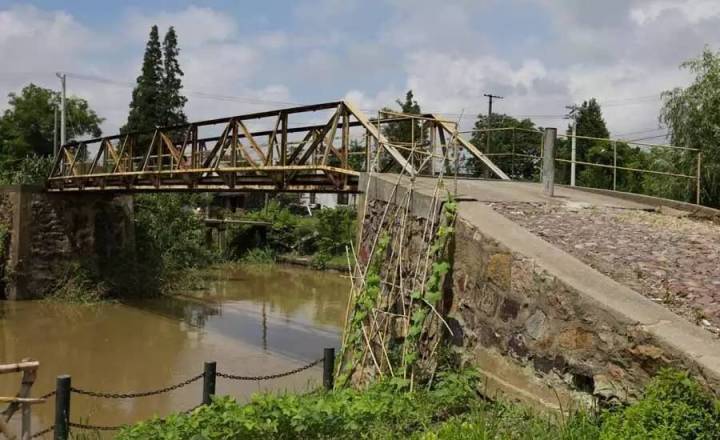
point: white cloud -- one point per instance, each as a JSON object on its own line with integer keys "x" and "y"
{"x": 195, "y": 25}
{"x": 32, "y": 39}
{"x": 693, "y": 10}
{"x": 449, "y": 55}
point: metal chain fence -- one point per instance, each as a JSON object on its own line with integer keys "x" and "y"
{"x": 47, "y": 430}
{"x": 140, "y": 394}
{"x": 269, "y": 376}
{"x": 209, "y": 373}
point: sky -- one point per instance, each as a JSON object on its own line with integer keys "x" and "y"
{"x": 239, "y": 57}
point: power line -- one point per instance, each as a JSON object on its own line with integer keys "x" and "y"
{"x": 650, "y": 137}
{"x": 199, "y": 94}
{"x": 643, "y": 131}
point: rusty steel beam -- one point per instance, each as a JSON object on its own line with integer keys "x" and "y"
{"x": 230, "y": 164}
{"x": 217, "y": 121}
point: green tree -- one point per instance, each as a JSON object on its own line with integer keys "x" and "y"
{"x": 590, "y": 123}
{"x": 173, "y": 101}
{"x": 402, "y": 133}
{"x": 26, "y": 127}
{"x": 603, "y": 152}
{"x": 692, "y": 115}
{"x": 146, "y": 107}
{"x": 525, "y": 140}
{"x": 356, "y": 156}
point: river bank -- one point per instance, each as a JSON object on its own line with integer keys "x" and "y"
{"x": 334, "y": 264}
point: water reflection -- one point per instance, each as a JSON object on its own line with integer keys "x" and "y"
{"x": 252, "y": 320}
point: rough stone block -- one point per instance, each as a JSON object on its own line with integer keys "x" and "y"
{"x": 576, "y": 338}
{"x": 535, "y": 326}
{"x": 509, "y": 309}
{"x": 498, "y": 270}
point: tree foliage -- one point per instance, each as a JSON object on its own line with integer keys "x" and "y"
{"x": 523, "y": 141}
{"x": 590, "y": 123}
{"x": 404, "y": 132}
{"x": 146, "y": 105}
{"x": 692, "y": 115}
{"x": 157, "y": 100}
{"x": 31, "y": 170}
{"x": 173, "y": 101}
{"x": 27, "y": 126}
{"x": 169, "y": 236}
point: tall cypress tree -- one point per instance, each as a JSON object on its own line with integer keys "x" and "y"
{"x": 145, "y": 107}
{"x": 590, "y": 122}
{"x": 172, "y": 101}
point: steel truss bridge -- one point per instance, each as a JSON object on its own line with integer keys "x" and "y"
{"x": 324, "y": 149}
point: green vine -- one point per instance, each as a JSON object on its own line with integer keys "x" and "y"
{"x": 403, "y": 351}
{"x": 364, "y": 303}
{"x": 429, "y": 300}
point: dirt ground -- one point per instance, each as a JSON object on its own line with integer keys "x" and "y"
{"x": 672, "y": 260}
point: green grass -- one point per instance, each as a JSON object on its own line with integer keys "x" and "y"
{"x": 259, "y": 256}
{"x": 673, "y": 407}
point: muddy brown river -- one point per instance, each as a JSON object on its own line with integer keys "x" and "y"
{"x": 252, "y": 320}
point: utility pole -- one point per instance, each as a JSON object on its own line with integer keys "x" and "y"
{"x": 490, "y": 98}
{"x": 572, "y": 115}
{"x": 55, "y": 127}
{"x": 62, "y": 109}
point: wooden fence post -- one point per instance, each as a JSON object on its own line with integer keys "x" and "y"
{"x": 328, "y": 368}
{"x": 62, "y": 407}
{"x": 209, "y": 382}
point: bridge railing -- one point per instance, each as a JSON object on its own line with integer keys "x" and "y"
{"x": 521, "y": 154}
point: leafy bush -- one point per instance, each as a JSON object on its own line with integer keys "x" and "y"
{"x": 169, "y": 244}
{"x": 494, "y": 420}
{"x": 382, "y": 411}
{"x": 324, "y": 235}
{"x": 674, "y": 406}
{"x": 259, "y": 256}
{"x": 169, "y": 232}
{"x": 75, "y": 283}
{"x": 336, "y": 228}
{"x": 320, "y": 261}
{"x": 31, "y": 170}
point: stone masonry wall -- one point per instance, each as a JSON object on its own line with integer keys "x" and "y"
{"x": 540, "y": 339}
{"x": 61, "y": 228}
{"x": 6, "y": 216}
